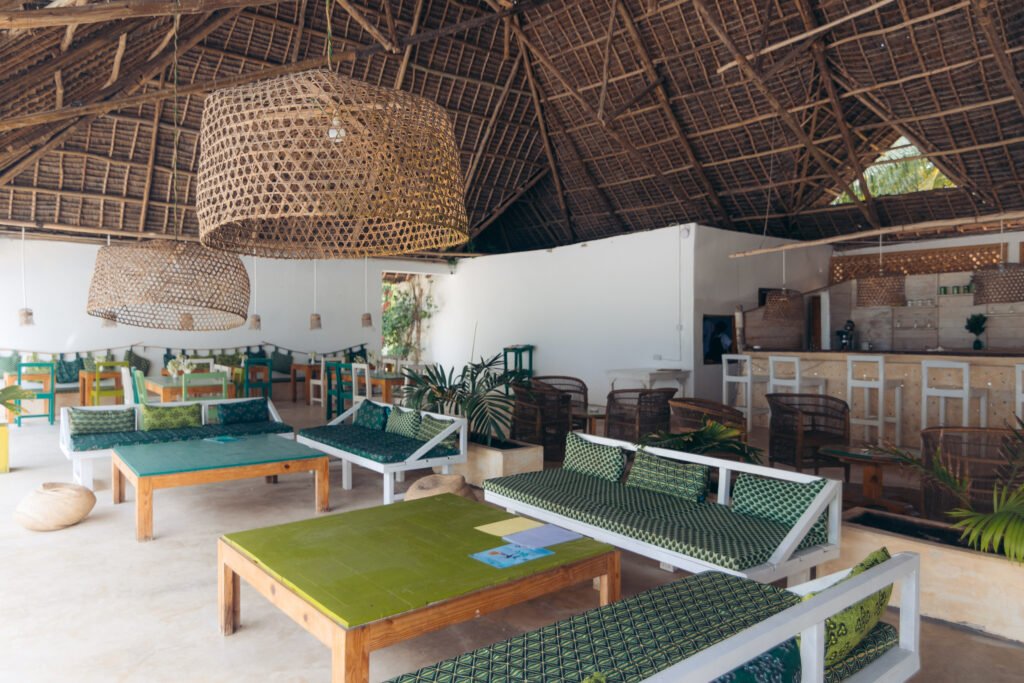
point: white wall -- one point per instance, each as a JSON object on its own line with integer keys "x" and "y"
{"x": 58, "y": 276}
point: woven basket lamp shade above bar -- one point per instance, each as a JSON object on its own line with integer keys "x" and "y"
{"x": 169, "y": 285}
{"x": 882, "y": 290}
{"x": 314, "y": 165}
{"x": 999, "y": 284}
{"x": 784, "y": 304}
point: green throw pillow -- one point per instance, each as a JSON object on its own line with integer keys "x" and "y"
{"x": 403, "y": 422}
{"x": 66, "y": 371}
{"x": 243, "y": 412}
{"x": 371, "y": 416}
{"x": 171, "y": 417}
{"x": 845, "y": 630}
{"x": 281, "y": 362}
{"x": 9, "y": 363}
{"x": 431, "y": 427}
{"x": 780, "y": 501}
{"x": 685, "y": 480}
{"x": 101, "y": 421}
{"x": 231, "y": 360}
{"x": 137, "y": 362}
{"x": 597, "y": 460}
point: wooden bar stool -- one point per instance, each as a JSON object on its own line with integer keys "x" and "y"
{"x": 957, "y": 390}
{"x": 781, "y": 382}
{"x": 872, "y": 379}
{"x": 744, "y": 380}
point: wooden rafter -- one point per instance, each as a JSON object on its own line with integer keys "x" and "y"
{"x": 485, "y": 136}
{"x": 417, "y": 14}
{"x": 114, "y": 10}
{"x": 519, "y": 191}
{"x": 368, "y": 26}
{"x": 987, "y": 22}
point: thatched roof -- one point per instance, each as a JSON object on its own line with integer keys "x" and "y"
{"x": 575, "y": 119}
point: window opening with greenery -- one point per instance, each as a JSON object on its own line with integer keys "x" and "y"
{"x": 900, "y": 170}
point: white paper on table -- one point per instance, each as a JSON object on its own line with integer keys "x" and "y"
{"x": 542, "y": 536}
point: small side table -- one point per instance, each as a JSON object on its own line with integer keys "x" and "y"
{"x": 591, "y": 417}
{"x": 872, "y": 466}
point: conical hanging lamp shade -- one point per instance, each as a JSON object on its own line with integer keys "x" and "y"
{"x": 169, "y": 285}
{"x": 882, "y": 290}
{"x": 784, "y": 304}
{"x": 315, "y": 165}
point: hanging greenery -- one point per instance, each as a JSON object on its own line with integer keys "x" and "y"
{"x": 407, "y": 307}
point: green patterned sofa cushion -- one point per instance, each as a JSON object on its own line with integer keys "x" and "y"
{"x": 383, "y": 447}
{"x": 101, "y": 421}
{"x": 606, "y": 462}
{"x": 93, "y": 442}
{"x": 247, "y": 429}
{"x": 780, "y": 501}
{"x": 371, "y": 416}
{"x": 627, "y": 641}
{"x": 706, "y": 531}
{"x": 231, "y": 360}
{"x": 432, "y": 426}
{"x": 171, "y": 417}
{"x": 687, "y": 480}
{"x": 9, "y": 364}
{"x": 281, "y": 362}
{"x": 137, "y": 362}
{"x": 404, "y": 422}
{"x": 66, "y": 371}
{"x": 242, "y": 412}
{"x": 882, "y": 638}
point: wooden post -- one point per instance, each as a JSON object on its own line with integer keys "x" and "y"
{"x": 350, "y": 656}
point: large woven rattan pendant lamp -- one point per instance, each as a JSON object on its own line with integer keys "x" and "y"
{"x": 784, "y": 304}
{"x": 315, "y": 165}
{"x": 169, "y": 285}
{"x": 884, "y": 289}
{"x": 1002, "y": 283}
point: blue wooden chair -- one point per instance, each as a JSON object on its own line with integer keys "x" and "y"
{"x": 258, "y": 374}
{"x": 47, "y": 389}
{"x": 337, "y": 387}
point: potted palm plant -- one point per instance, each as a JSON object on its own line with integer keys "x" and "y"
{"x": 713, "y": 438}
{"x": 480, "y": 393}
{"x": 8, "y": 396}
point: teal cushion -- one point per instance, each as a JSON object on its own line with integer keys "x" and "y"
{"x": 66, "y": 371}
{"x": 94, "y": 442}
{"x": 780, "y": 501}
{"x": 381, "y": 446}
{"x": 586, "y": 457}
{"x": 281, "y": 362}
{"x": 243, "y": 412}
{"x": 403, "y": 422}
{"x": 432, "y": 426}
{"x": 101, "y": 421}
{"x": 371, "y": 416}
{"x": 687, "y": 480}
{"x": 157, "y": 417}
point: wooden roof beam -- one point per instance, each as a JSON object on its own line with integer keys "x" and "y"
{"x": 496, "y": 213}
{"x": 114, "y": 10}
{"x": 485, "y": 138}
{"x": 368, "y": 26}
{"x": 417, "y": 15}
{"x": 986, "y": 20}
{"x": 673, "y": 119}
{"x": 788, "y": 119}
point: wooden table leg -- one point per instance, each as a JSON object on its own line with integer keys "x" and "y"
{"x": 385, "y": 392}
{"x": 872, "y": 481}
{"x": 229, "y": 599}
{"x": 323, "y": 486}
{"x": 143, "y": 510}
{"x": 291, "y": 381}
{"x": 116, "y": 482}
{"x": 610, "y": 584}
{"x": 350, "y": 656}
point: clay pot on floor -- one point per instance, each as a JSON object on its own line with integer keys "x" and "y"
{"x": 54, "y": 506}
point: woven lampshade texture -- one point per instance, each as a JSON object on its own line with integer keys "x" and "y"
{"x": 784, "y": 304}
{"x": 999, "y": 284}
{"x": 169, "y": 285}
{"x": 315, "y": 165}
{"x": 882, "y": 290}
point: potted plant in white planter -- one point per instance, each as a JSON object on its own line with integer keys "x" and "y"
{"x": 8, "y": 396}
{"x": 480, "y": 393}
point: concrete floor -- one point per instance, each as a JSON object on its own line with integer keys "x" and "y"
{"x": 88, "y": 603}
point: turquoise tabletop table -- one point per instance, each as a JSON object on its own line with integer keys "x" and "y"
{"x": 153, "y": 466}
{"x": 366, "y": 579}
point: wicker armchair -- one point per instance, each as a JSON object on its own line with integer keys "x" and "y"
{"x": 542, "y": 415}
{"x": 801, "y": 424}
{"x": 577, "y": 390}
{"x": 688, "y": 414}
{"x": 976, "y": 454}
{"x": 635, "y": 413}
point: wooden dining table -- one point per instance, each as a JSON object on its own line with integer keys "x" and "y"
{"x": 169, "y": 388}
{"x": 385, "y": 381}
{"x": 87, "y": 380}
{"x": 309, "y": 371}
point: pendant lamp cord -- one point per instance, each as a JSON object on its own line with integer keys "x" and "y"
{"x": 365, "y": 286}
{"x": 783, "y": 272}
{"x": 880, "y": 269}
{"x": 177, "y": 129}
{"x": 330, "y": 33}
{"x": 24, "y": 290}
{"x": 314, "y": 287}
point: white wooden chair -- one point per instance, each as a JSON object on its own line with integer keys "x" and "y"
{"x": 872, "y": 381}
{"x": 959, "y": 389}
{"x": 361, "y": 387}
{"x": 316, "y": 387}
{"x": 795, "y": 384}
{"x": 743, "y": 380}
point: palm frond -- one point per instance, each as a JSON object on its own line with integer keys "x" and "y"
{"x": 10, "y": 394}
{"x": 1002, "y": 530}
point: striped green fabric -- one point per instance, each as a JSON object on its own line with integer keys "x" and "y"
{"x": 687, "y": 480}
{"x": 101, "y": 421}
{"x": 403, "y": 422}
{"x": 587, "y": 457}
{"x": 706, "y": 531}
{"x": 431, "y": 427}
{"x": 627, "y": 641}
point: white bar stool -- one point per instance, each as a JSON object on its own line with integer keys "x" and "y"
{"x": 745, "y": 380}
{"x": 960, "y": 391}
{"x": 797, "y": 383}
{"x": 1019, "y": 401}
{"x": 873, "y": 379}
{"x": 361, "y": 387}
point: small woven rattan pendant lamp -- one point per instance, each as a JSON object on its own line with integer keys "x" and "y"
{"x": 884, "y": 289}
{"x": 1002, "y": 283}
{"x": 784, "y": 304}
{"x": 315, "y": 165}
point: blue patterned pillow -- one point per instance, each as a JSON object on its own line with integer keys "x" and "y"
{"x": 67, "y": 370}
{"x": 597, "y": 460}
{"x": 255, "y": 410}
{"x": 101, "y": 421}
{"x": 371, "y": 416}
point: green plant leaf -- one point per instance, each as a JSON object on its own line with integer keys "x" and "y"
{"x": 12, "y": 393}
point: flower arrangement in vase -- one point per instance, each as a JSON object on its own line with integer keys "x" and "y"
{"x": 179, "y": 365}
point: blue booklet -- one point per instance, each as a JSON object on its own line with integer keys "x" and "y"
{"x": 542, "y": 536}
{"x": 510, "y": 555}
{"x": 224, "y": 438}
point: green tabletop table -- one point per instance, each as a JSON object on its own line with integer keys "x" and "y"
{"x": 366, "y": 579}
{"x": 872, "y": 463}
{"x": 186, "y": 463}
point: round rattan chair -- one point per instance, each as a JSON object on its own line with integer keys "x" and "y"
{"x": 803, "y": 423}
{"x": 688, "y": 414}
{"x": 635, "y": 413}
{"x": 979, "y": 456}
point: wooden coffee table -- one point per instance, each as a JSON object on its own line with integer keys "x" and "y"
{"x": 187, "y": 463}
{"x": 370, "y": 578}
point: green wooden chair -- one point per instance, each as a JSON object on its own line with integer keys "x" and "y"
{"x": 46, "y": 391}
{"x": 337, "y": 387}
{"x": 258, "y": 373}
{"x": 99, "y": 392}
{"x": 195, "y": 378}
{"x": 139, "y": 387}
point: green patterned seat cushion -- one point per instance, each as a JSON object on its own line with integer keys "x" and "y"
{"x": 403, "y": 422}
{"x": 780, "y": 501}
{"x": 171, "y": 417}
{"x": 879, "y": 640}
{"x": 371, "y": 416}
{"x": 627, "y": 641}
{"x": 706, "y": 531}
{"x": 242, "y": 412}
{"x": 586, "y": 457}
{"x": 231, "y": 360}
{"x": 101, "y": 421}
{"x": 432, "y": 426}
{"x": 247, "y": 429}
{"x": 781, "y": 664}
{"x": 66, "y": 371}
{"x": 94, "y": 442}
{"x": 687, "y": 480}
{"x": 383, "y": 447}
